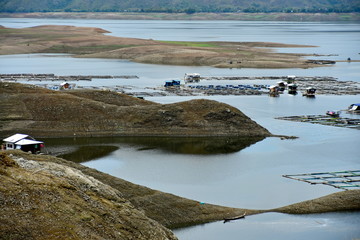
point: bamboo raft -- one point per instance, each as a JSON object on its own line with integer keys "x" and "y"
{"x": 326, "y": 120}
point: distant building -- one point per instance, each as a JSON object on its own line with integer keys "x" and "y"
{"x": 22, "y": 142}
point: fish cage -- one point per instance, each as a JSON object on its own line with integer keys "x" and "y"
{"x": 345, "y": 180}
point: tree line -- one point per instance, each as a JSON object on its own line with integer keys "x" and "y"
{"x": 182, "y": 6}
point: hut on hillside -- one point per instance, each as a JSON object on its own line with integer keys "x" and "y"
{"x": 22, "y": 142}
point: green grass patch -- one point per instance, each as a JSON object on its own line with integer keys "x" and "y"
{"x": 192, "y": 44}
{"x": 345, "y": 17}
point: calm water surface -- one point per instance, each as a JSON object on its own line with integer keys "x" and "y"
{"x": 249, "y": 174}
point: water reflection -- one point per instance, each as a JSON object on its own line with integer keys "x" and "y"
{"x": 195, "y": 145}
{"x": 86, "y": 149}
{"x": 86, "y": 153}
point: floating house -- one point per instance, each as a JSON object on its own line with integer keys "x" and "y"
{"x": 309, "y": 92}
{"x": 66, "y": 86}
{"x": 22, "y": 142}
{"x": 274, "y": 91}
{"x": 192, "y": 77}
{"x": 292, "y": 87}
{"x": 281, "y": 86}
{"x": 291, "y": 77}
{"x": 172, "y": 83}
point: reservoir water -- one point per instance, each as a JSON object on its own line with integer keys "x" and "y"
{"x": 251, "y": 175}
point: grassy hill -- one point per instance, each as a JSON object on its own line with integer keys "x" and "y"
{"x": 42, "y": 112}
{"x": 188, "y": 6}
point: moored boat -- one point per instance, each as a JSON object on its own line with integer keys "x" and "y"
{"x": 354, "y": 108}
{"x": 333, "y": 113}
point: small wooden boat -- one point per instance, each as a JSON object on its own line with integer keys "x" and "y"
{"x": 234, "y": 218}
{"x": 354, "y": 108}
{"x": 333, "y": 113}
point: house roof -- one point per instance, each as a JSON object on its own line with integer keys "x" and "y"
{"x": 15, "y": 138}
{"x": 28, "y": 142}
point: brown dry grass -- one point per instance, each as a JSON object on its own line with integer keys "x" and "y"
{"x": 47, "y": 113}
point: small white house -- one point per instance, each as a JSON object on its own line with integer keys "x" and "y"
{"x": 23, "y": 142}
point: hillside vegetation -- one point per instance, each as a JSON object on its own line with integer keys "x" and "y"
{"x": 188, "y": 6}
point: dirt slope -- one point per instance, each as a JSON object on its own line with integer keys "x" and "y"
{"x": 45, "y": 113}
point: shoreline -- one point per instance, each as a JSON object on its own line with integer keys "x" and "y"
{"x": 188, "y": 212}
{"x": 297, "y": 17}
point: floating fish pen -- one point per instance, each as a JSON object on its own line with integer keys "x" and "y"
{"x": 227, "y": 89}
{"x": 345, "y": 180}
{"x": 325, "y": 120}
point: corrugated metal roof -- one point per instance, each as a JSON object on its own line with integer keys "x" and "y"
{"x": 15, "y": 138}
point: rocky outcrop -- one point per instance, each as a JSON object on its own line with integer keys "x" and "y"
{"x": 45, "y": 113}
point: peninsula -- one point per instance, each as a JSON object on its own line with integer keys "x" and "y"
{"x": 46, "y": 113}
{"x": 89, "y": 42}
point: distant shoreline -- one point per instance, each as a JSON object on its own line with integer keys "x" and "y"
{"x": 297, "y": 17}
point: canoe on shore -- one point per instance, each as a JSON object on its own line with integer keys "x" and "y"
{"x": 234, "y": 218}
